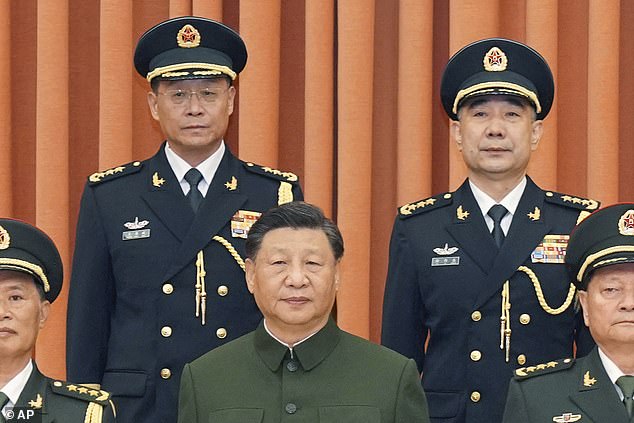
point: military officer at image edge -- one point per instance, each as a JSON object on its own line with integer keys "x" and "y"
{"x": 472, "y": 294}
{"x": 597, "y": 388}
{"x": 158, "y": 271}
{"x": 31, "y": 276}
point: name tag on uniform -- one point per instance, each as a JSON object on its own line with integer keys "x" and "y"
{"x": 139, "y": 234}
{"x": 242, "y": 221}
{"x": 552, "y": 249}
{"x": 445, "y": 261}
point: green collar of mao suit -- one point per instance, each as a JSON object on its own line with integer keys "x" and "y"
{"x": 309, "y": 353}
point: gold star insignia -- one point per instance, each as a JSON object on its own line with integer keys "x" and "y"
{"x": 588, "y": 380}
{"x": 232, "y": 185}
{"x": 82, "y": 390}
{"x": 541, "y": 366}
{"x": 72, "y": 388}
{"x": 93, "y": 393}
{"x": 461, "y": 214}
{"x": 157, "y": 181}
{"x": 531, "y": 369}
{"x": 36, "y": 403}
{"x": 535, "y": 215}
{"x": 551, "y": 364}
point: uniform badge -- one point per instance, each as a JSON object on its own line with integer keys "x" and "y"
{"x": 588, "y": 380}
{"x": 461, "y": 214}
{"x": 188, "y": 37}
{"x": 445, "y": 261}
{"x": 495, "y": 60}
{"x": 242, "y": 221}
{"x": 535, "y": 214}
{"x": 157, "y": 181}
{"x": 136, "y": 231}
{"x": 626, "y": 223}
{"x": 567, "y": 417}
{"x": 446, "y": 250}
{"x": 36, "y": 403}
{"x": 232, "y": 185}
{"x": 5, "y": 239}
{"x": 552, "y": 249}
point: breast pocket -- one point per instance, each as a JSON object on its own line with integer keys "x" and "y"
{"x": 349, "y": 414}
{"x": 237, "y": 415}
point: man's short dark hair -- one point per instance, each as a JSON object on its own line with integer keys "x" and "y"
{"x": 294, "y": 215}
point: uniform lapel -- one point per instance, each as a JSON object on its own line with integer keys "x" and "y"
{"x": 36, "y": 385}
{"x": 470, "y": 231}
{"x": 599, "y": 401}
{"x": 216, "y": 210}
{"x": 165, "y": 196}
{"x": 524, "y": 235}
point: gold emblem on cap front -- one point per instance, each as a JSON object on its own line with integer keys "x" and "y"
{"x": 188, "y": 37}
{"x": 626, "y": 223}
{"x": 495, "y": 60}
{"x": 5, "y": 239}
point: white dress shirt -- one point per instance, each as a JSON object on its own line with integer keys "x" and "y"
{"x": 284, "y": 343}
{"x": 510, "y": 202}
{"x": 207, "y": 168}
{"x": 613, "y": 371}
{"x": 14, "y": 387}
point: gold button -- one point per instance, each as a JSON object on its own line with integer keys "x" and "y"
{"x": 475, "y": 396}
{"x": 136, "y": 164}
{"x": 521, "y": 359}
{"x": 549, "y": 194}
{"x": 221, "y": 333}
{"x": 447, "y": 196}
{"x": 57, "y": 383}
{"x": 525, "y": 319}
{"x": 568, "y": 360}
{"x": 166, "y": 373}
{"x": 223, "y": 290}
{"x": 168, "y": 288}
{"x": 476, "y": 316}
{"x": 166, "y": 331}
{"x": 476, "y": 355}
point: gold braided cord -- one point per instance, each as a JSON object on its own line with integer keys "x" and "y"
{"x": 509, "y": 86}
{"x": 94, "y": 413}
{"x": 540, "y": 294}
{"x": 191, "y": 65}
{"x": 284, "y": 193}
{"x": 231, "y": 250}
{"x": 592, "y": 257}
{"x": 33, "y": 268}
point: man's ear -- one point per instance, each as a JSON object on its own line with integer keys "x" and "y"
{"x": 152, "y": 101}
{"x": 456, "y": 133}
{"x": 45, "y": 308}
{"x": 249, "y": 269}
{"x": 583, "y": 299}
{"x": 536, "y": 134}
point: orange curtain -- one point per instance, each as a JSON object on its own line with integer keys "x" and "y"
{"x": 342, "y": 92}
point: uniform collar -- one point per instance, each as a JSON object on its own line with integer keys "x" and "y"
{"x": 612, "y": 370}
{"x": 207, "y": 168}
{"x": 15, "y": 386}
{"x": 310, "y": 352}
{"x": 510, "y": 201}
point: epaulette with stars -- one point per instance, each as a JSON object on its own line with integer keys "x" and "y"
{"x": 80, "y": 392}
{"x": 270, "y": 172}
{"x": 114, "y": 173}
{"x": 425, "y": 205}
{"x": 584, "y": 205}
{"x": 543, "y": 369}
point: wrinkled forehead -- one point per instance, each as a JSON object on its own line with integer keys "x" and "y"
{"x": 622, "y": 273}
{"x": 11, "y": 279}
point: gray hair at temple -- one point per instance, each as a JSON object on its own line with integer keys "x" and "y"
{"x": 294, "y": 215}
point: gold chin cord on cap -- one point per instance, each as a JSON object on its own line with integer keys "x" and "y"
{"x": 505, "y": 317}
{"x": 201, "y": 291}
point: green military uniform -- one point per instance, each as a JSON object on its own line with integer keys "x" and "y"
{"x": 26, "y": 249}
{"x": 564, "y": 391}
{"x": 48, "y": 400}
{"x": 331, "y": 377}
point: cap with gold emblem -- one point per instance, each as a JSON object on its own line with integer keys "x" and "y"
{"x": 604, "y": 238}
{"x": 190, "y": 47}
{"x": 25, "y": 248}
{"x": 497, "y": 66}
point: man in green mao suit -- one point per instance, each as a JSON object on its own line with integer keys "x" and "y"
{"x": 298, "y": 365}
{"x": 30, "y": 280}
{"x": 597, "y": 388}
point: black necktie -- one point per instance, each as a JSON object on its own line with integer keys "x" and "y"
{"x": 193, "y": 177}
{"x": 626, "y": 383}
{"x": 4, "y": 399}
{"x": 497, "y": 212}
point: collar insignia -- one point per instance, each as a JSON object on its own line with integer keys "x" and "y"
{"x": 461, "y": 214}
{"x": 136, "y": 224}
{"x": 188, "y": 37}
{"x": 588, "y": 380}
{"x": 36, "y": 403}
{"x": 567, "y": 417}
{"x": 535, "y": 215}
{"x": 232, "y": 185}
{"x": 626, "y": 223}
{"x": 495, "y": 60}
{"x": 446, "y": 250}
{"x": 157, "y": 181}
{"x": 5, "y": 239}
